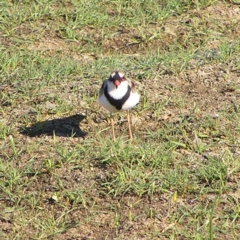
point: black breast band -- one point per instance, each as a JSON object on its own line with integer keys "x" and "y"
{"x": 117, "y": 103}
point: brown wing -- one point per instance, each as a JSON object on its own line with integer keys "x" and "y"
{"x": 132, "y": 85}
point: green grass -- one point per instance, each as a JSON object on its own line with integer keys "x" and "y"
{"x": 62, "y": 176}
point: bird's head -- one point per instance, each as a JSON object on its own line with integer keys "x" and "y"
{"x": 116, "y": 78}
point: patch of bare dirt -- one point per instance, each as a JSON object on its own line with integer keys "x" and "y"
{"x": 211, "y": 88}
{"x": 50, "y": 44}
{"x": 207, "y": 26}
{"x": 212, "y": 25}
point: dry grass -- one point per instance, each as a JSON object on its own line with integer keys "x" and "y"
{"x": 62, "y": 177}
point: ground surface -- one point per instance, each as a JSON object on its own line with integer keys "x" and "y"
{"x": 62, "y": 177}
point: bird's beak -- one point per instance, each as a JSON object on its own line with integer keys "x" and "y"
{"x": 116, "y": 83}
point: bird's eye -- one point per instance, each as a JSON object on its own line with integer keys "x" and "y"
{"x": 123, "y": 78}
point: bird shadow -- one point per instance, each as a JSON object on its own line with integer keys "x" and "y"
{"x": 62, "y": 127}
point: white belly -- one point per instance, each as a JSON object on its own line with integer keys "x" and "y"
{"x": 132, "y": 101}
{"x": 104, "y": 102}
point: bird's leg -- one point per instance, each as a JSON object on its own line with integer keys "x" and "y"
{"x": 129, "y": 125}
{"x": 113, "y": 132}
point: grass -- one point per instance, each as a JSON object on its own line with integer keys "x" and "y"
{"x": 61, "y": 176}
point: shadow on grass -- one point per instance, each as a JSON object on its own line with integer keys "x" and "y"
{"x": 63, "y": 127}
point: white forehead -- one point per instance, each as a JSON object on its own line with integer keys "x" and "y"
{"x": 120, "y": 74}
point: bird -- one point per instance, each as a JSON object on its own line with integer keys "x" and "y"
{"x": 117, "y": 93}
